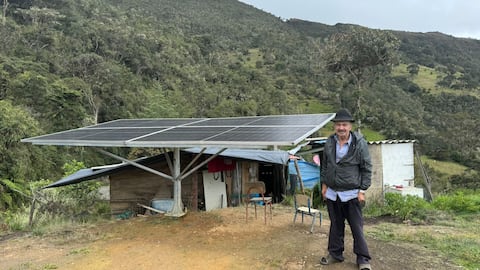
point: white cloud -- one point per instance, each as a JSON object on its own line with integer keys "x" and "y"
{"x": 453, "y": 17}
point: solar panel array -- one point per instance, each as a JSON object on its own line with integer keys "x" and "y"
{"x": 255, "y": 132}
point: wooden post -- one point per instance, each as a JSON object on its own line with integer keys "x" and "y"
{"x": 32, "y": 210}
{"x": 299, "y": 176}
{"x": 426, "y": 178}
{"x": 195, "y": 192}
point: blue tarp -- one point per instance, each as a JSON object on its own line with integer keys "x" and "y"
{"x": 277, "y": 157}
{"x": 310, "y": 172}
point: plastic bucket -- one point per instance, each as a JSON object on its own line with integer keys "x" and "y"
{"x": 165, "y": 205}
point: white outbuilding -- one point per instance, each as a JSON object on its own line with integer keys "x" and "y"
{"x": 393, "y": 168}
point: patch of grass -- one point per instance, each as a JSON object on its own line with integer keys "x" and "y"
{"x": 24, "y": 266}
{"x": 373, "y": 209}
{"x": 460, "y": 244}
{"x": 51, "y": 224}
{"x": 287, "y": 200}
{"x": 254, "y": 56}
{"x": 371, "y": 135}
{"x": 49, "y": 266}
{"x": 383, "y": 232}
{"x": 80, "y": 251}
{"x": 453, "y": 231}
{"x": 315, "y": 106}
{"x": 461, "y": 202}
{"x": 444, "y": 167}
{"x": 427, "y": 79}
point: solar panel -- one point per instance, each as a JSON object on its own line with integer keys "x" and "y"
{"x": 146, "y": 123}
{"x": 253, "y": 131}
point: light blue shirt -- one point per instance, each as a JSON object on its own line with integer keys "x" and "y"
{"x": 346, "y": 195}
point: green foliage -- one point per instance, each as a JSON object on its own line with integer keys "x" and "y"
{"x": 371, "y": 135}
{"x": 460, "y": 202}
{"x": 360, "y": 56}
{"x": 11, "y": 193}
{"x": 317, "y": 197}
{"x": 442, "y": 50}
{"x": 67, "y": 64}
{"x": 73, "y": 203}
{"x": 374, "y": 208}
{"x": 406, "y": 207}
{"x": 458, "y": 240}
{"x": 466, "y": 181}
{"x": 18, "y": 161}
{"x": 79, "y": 199}
{"x": 418, "y": 210}
{"x": 15, "y": 220}
{"x": 455, "y": 213}
{"x": 288, "y": 200}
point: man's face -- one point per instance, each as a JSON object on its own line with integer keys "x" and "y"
{"x": 342, "y": 128}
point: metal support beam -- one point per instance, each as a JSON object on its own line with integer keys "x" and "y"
{"x": 177, "y": 175}
{"x": 168, "y": 159}
{"x": 193, "y": 161}
{"x": 202, "y": 164}
{"x": 133, "y": 163}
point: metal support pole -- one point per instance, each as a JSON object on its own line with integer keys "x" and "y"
{"x": 177, "y": 209}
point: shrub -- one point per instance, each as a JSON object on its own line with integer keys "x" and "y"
{"x": 15, "y": 220}
{"x": 73, "y": 203}
{"x": 462, "y": 202}
{"x": 406, "y": 207}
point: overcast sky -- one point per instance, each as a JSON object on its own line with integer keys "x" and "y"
{"x": 460, "y": 18}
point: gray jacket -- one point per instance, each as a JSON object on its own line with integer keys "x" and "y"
{"x": 353, "y": 171}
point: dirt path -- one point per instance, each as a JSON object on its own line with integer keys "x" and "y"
{"x": 215, "y": 240}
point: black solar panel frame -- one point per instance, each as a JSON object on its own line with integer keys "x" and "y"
{"x": 253, "y": 132}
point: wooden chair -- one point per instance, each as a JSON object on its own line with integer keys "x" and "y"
{"x": 256, "y": 195}
{"x": 303, "y": 205}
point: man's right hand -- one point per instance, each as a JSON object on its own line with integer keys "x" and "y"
{"x": 324, "y": 192}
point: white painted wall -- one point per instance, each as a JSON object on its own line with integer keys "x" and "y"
{"x": 215, "y": 191}
{"x": 398, "y": 164}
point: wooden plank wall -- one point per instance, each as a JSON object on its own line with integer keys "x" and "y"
{"x": 132, "y": 186}
{"x": 138, "y": 186}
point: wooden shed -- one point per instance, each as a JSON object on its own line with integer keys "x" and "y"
{"x": 221, "y": 183}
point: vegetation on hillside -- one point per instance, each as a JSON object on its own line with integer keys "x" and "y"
{"x": 66, "y": 64}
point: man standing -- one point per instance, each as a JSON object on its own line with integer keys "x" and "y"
{"x": 346, "y": 175}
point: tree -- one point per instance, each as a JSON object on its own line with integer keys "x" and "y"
{"x": 111, "y": 91}
{"x": 359, "y": 57}
{"x": 413, "y": 69}
{"x": 5, "y": 6}
{"x": 19, "y": 162}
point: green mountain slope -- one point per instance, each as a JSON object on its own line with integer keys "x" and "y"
{"x": 72, "y": 63}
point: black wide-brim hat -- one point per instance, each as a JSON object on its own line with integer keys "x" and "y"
{"x": 343, "y": 115}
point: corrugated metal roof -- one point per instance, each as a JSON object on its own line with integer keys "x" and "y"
{"x": 392, "y": 141}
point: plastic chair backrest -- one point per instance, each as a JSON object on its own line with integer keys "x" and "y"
{"x": 302, "y": 200}
{"x": 259, "y": 187}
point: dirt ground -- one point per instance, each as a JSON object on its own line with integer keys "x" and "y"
{"x": 220, "y": 239}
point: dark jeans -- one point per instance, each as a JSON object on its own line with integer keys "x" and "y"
{"x": 351, "y": 211}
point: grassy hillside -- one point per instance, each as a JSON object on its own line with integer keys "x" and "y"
{"x": 429, "y": 79}
{"x": 66, "y": 64}
{"x": 444, "y": 167}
